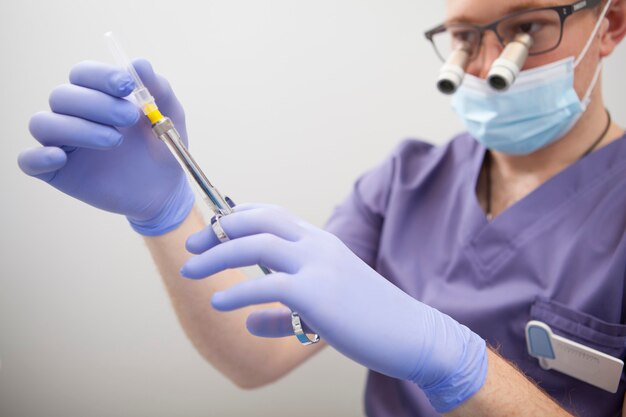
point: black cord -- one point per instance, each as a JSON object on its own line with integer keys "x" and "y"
{"x": 597, "y": 142}
{"x": 488, "y": 175}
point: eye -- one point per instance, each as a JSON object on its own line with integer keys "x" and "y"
{"x": 528, "y": 27}
{"x": 463, "y": 36}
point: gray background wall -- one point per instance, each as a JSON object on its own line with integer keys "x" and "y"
{"x": 287, "y": 102}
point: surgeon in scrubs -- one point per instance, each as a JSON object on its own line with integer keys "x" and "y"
{"x": 431, "y": 268}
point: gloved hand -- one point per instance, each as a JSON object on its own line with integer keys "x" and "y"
{"x": 98, "y": 148}
{"x": 341, "y": 298}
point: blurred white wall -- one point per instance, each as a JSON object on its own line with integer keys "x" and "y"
{"x": 287, "y": 102}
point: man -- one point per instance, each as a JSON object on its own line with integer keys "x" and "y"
{"x": 419, "y": 224}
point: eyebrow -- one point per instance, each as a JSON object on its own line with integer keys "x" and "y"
{"x": 525, "y": 5}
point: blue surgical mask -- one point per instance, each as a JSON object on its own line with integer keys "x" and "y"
{"x": 541, "y": 107}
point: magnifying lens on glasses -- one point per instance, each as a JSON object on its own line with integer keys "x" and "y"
{"x": 507, "y": 67}
{"x": 453, "y": 71}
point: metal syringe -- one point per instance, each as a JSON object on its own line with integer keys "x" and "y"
{"x": 164, "y": 129}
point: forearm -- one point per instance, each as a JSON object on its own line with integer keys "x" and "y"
{"x": 221, "y": 338}
{"x": 507, "y": 392}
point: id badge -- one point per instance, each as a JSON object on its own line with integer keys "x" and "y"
{"x": 558, "y": 353}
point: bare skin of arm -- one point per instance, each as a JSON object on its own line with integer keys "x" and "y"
{"x": 221, "y": 338}
{"x": 507, "y": 392}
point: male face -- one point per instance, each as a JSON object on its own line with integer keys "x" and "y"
{"x": 576, "y": 31}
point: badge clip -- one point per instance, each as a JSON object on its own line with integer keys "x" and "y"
{"x": 558, "y": 353}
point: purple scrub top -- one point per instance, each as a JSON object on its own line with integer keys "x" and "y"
{"x": 558, "y": 255}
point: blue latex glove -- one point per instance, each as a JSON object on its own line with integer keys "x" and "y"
{"x": 341, "y": 298}
{"x": 98, "y": 148}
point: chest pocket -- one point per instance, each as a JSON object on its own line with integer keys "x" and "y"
{"x": 580, "y": 327}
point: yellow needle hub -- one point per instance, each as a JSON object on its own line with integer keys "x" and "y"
{"x": 153, "y": 113}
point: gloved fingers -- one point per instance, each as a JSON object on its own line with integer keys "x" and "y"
{"x": 276, "y": 209}
{"x": 93, "y": 105}
{"x": 245, "y": 223}
{"x": 202, "y": 241}
{"x": 159, "y": 87}
{"x": 281, "y": 211}
{"x": 261, "y": 290}
{"x": 118, "y": 83}
{"x": 274, "y": 322}
{"x": 52, "y": 129}
{"x": 43, "y": 162}
{"x": 263, "y": 249}
{"x": 252, "y": 206}
{"x": 106, "y": 78}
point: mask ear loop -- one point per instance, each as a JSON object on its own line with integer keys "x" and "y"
{"x": 593, "y": 34}
{"x": 585, "y": 101}
{"x": 587, "y": 98}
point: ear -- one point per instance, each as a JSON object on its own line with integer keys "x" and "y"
{"x": 616, "y": 30}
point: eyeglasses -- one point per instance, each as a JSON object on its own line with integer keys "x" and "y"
{"x": 545, "y": 25}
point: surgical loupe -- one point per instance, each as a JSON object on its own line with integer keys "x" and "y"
{"x": 453, "y": 71}
{"x": 507, "y": 67}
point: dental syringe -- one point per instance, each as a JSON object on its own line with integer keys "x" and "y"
{"x": 165, "y": 130}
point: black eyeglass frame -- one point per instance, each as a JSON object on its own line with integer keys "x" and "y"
{"x": 564, "y": 12}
